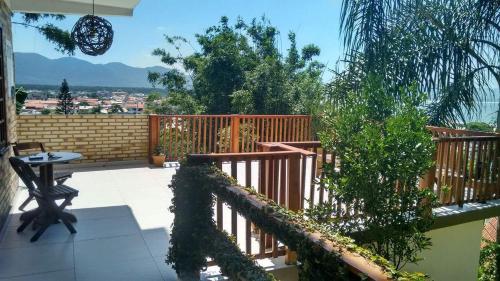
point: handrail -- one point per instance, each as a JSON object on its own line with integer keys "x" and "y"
{"x": 229, "y": 115}
{"x": 465, "y": 138}
{"x": 241, "y": 156}
{"x": 447, "y": 131}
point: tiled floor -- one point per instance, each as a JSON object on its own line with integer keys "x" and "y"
{"x": 123, "y": 229}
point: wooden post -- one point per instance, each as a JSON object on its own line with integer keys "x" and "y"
{"x": 293, "y": 196}
{"x": 154, "y": 135}
{"x": 235, "y": 133}
{"x": 427, "y": 181}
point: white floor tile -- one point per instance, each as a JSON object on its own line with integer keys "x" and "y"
{"x": 142, "y": 269}
{"x": 102, "y": 228}
{"x": 30, "y": 260}
{"x": 92, "y": 253}
{"x": 66, "y": 275}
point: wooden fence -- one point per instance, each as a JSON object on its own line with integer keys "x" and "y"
{"x": 179, "y": 135}
{"x": 290, "y": 173}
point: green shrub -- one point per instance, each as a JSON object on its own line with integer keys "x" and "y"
{"x": 479, "y": 126}
{"x": 384, "y": 147}
{"x": 488, "y": 260}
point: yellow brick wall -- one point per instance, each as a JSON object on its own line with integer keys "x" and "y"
{"x": 99, "y": 137}
{"x": 8, "y": 178}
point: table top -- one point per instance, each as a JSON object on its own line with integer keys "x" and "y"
{"x": 58, "y": 157}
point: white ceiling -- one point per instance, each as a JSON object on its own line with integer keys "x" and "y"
{"x": 80, "y": 7}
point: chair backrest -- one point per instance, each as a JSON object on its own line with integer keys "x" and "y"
{"x": 17, "y": 147}
{"x": 25, "y": 172}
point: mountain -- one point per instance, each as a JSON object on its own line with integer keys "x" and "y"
{"x": 32, "y": 68}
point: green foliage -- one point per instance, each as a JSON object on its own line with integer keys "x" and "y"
{"x": 240, "y": 70}
{"x": 59, "y": 37}
{"x": 46, "y": 111}
{"x": 449, "y": 47}
{"x": 65, "y": 104}
{"x": 232, "y": 262}
{"x": 96, "y": 110}
{"x": 489, "y": 259}
{"x": 193, "y": 235}
{"x": 192, "y": 206}
{"x": 174, "y": 103}
{"x": 21, "y": 96}
{"x": 115, "y": 108}
{"x": 158, "y": 150}
{"x": 384, "y": 147}
{"x": 479, "y": 126}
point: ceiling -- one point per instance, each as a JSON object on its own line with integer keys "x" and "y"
{"x": 80, "y": 7}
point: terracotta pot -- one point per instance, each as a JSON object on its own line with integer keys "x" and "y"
{"x": 158, "y": 160}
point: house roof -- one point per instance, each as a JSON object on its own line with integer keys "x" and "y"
{"x": 83, "y": 7}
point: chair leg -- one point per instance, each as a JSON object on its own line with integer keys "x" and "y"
{"x": 28, "y": 219}
{"x": 70, "y": 217}
{"x": 25, "y": 203}
{"x": 66, "y": 222}
{"x": 66, "y": 202}
{"x": 40, "y": 232}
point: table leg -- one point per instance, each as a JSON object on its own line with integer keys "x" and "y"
{"x": 47, "y": 176}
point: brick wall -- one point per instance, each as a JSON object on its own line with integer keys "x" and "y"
{"x": 8, "y": 179}
{"x": 99, "y": 138}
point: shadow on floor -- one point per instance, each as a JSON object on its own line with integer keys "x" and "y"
{"x": 109, "y": 245}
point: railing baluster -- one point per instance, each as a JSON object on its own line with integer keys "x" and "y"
{"x": 313, "y": 178}
{"x": 227, "y": 136}
{"x": 219, "y": 205}
{"x": 271, "y": 121}
{"x": 321, "y": 184}
{"x": 176, "y": 150}
{"x": 452, "y": 198}
{"x": 303, "y": 181}
{"x": 248, "y": 224}
{"x": 283, "y": 180}
{"x": 458, "y": 182}
{"x": 484, "y": 170}
{"x": 472, "y": 171}
{"x": 446, "y": 172}
{"x": 465, "y": 158}
{"x": 234, "y": 215}
{"x": 215, "y": 135}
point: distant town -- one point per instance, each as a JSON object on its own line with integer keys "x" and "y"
{"x": 43, "y": 99}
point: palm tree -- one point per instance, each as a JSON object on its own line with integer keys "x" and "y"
{"x": 450, "y": 48}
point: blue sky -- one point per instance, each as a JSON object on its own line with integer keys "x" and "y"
{"x": 135, "y": 37}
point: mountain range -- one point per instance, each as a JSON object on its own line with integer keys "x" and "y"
{"x": 35, "y": 69}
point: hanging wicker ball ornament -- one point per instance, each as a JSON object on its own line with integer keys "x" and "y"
{"x": 93, "y": 35}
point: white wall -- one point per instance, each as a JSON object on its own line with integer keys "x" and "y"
{"x": 454, "y": 254}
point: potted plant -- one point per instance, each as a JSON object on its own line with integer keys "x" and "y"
{"x": 158, "y": 156}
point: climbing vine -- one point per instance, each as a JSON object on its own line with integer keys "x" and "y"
{"x": 193, "y": 233}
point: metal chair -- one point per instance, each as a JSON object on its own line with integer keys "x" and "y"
{"x": 59, "y": 177}
{"x": 48, "y": 211}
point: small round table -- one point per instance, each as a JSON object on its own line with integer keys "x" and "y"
{"x": 46, "y": 165}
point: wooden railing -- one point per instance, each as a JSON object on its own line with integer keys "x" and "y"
{"x": 278, "y": 167}
{"x": 285, "y": 172}
{"x": 276, "y": 174}
{"x": 466, "y": 169}
{"x": 179, "y": 135}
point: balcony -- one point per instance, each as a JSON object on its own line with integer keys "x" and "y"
{"x": 124, "y": 222}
